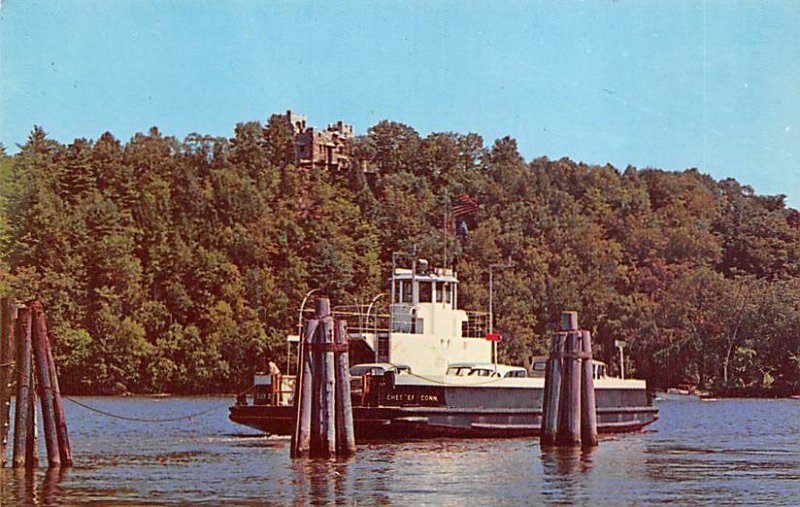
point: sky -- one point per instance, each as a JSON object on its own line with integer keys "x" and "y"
{"x": 677, "y": 84}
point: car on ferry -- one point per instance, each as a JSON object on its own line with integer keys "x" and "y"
{"x": 539, "y": 365}
{"x": 460, "y": 369}
{"x": 497, "y": 371}
{"x": 360, "y": 370}
{"x": 486, "y": 370}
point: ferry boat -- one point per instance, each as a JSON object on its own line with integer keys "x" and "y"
{"x": 426, "y": 370}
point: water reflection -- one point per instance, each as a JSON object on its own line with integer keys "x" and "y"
{"x": 321, "y": 482}
{"x": 563, "y": 471}
{"x": 19, "y": 486}
{"x": 563, "y": 461}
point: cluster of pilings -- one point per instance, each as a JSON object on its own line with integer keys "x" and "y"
{"x": 323, "y": 408}
{"x": 25, "y": 354}
{"x": 569, "y": 416}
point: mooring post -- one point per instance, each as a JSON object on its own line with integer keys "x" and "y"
{"x": 322, "y": 310}
{"x": 588, "y": 400}
{"x": 64, "y": 447}
{"x": 345, "y": 431}
{"x": 32, "y": 443}
{"x": 552, "y": 390}
{"x": 22, "y": 335}
{"x": 45, "y": 385}
{"x": 327, "y": 378}
{"x": 569, "y": 430}
{"x": 301, "y": 438}
{"x": 9, "y": 315}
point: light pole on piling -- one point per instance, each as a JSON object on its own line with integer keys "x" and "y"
{"x": 492, "y": 267}
{"x": 371, "y": 304}
{"x": 299, "y": 328}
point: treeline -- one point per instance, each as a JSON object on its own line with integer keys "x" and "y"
{"x": 179, "y": 266}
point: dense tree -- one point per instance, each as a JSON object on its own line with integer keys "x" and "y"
{"x": 178, "y": 266}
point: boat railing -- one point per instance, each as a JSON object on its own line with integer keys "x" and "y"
{"x": 476, "y": 325}
{"x": 269, "y": 390}
{"x": 363, "y": 319}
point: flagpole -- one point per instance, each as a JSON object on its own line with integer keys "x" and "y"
{"x": 491, "y": 319}
{"x": 492, "y": 267}
{"x": 444, "y": 232}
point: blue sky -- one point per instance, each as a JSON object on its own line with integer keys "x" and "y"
{"x": 670, "y": 84}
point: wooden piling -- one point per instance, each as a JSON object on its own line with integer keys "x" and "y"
{"x": 552, "y": 390}
{"x": 32, "y": 441}
{"x": 327, "y": 392}
{"x": 322, "y": 310}
{"x": 315, "y": 380}
{"x": 40, "y": 346}
{"x": 301, "y": 438}
{"x": 64, "y": 447}
{"x": 569, "y": 429}
{"x": 345, "y": 430}
{"x": 9, "y": 315}
{"x": 588, "y": 400}
{"x": 323, "y": 408}
{"x": 22, "y": 334}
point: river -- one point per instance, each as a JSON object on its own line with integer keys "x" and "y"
{"x": 699, "y": 452}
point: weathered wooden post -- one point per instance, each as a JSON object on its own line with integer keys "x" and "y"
{"x": 64, "y": 447}
{"x": 552, "y": 390}
{"x": 40, "y": 347}
{"x": 569, "y": 429}
{"x": 9, "y": 315}
{"x": 32, "y": 442}
{"x": 327, "y": 391}
{"x": 345, "y": 431}
{"x": 569, "y": 423}
{"x": 301, "y": 438}
{"x": 588, "y": 401}
{"x": 22, "y": 408}
{"x": 321, "y": 311}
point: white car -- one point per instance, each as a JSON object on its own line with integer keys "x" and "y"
{"x": 360, "y": 370}
{"x": 486, "y": 370}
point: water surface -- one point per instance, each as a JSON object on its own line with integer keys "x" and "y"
{"x": 700, "y": 452}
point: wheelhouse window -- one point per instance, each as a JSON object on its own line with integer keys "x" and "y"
{"x": 404, "y": 291}
{"x": 425, "y": 292}
{"x": 443, "y": 294}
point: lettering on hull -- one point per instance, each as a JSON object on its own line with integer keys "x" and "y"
{"x": 413, "y": 398}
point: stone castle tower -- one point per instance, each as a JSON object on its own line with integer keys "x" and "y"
{"x": 325, "y": 149}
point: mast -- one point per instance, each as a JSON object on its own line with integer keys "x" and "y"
{"x": 444, "y": 232}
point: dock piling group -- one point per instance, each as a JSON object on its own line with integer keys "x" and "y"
{"x": 25, "y": 350}
{"x": 569, "y": 415}
{"x": 323, "y": 409}
{"x": 8, "y": 312}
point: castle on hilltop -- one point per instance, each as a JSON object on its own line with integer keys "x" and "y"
{"x": 325, "y": 149}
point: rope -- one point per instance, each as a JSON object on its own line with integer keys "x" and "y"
{"x": 144, "y": 419}
{"x": 147, "y": 420}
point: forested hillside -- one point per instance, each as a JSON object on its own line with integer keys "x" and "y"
{"x": 177, "y": 266}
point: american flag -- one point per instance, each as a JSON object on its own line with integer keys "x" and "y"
{"x": 464, "y": 206}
